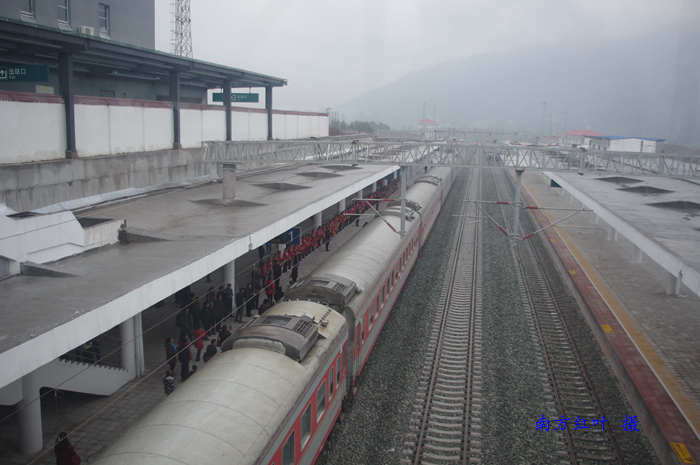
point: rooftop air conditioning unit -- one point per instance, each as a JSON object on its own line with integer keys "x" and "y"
{"x": 86, "y": 30}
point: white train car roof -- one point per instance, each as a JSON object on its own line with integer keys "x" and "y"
{"x": 230, "y": 409}
{"x": 366, "y": 257}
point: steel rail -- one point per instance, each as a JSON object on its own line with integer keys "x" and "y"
{"x": 579, "y": 359}
{"x": 552, "y": 299}
{"x": 548, "y": 365}
{"x": 442, "y": 336}
{"x": 472, "y": 331}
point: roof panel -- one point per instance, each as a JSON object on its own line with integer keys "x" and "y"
{"x": 50, "y": 41}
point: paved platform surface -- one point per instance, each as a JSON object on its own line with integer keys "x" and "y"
{"x": 651, "y": 338}
{"x": 187, "y": 234}
{"x": 96, "y": 422}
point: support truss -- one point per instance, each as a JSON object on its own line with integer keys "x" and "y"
{"x": 504, "y": 156}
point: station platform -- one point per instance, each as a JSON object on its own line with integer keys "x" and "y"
{"x": 169, "y": 239}
{"x": 646, "y": 321}
{"x": 96, "y": 422}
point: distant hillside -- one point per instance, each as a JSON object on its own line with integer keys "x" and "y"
{"x": 621, "y": 89}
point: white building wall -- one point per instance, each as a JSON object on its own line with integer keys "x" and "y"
{"x": 158, "y": 131}
{"x": 103, "y": 129}
{"x": 213, "y": 125}
{"x": 287, "y": 122}
{"x": 190, "y": 128}
{"x": 33, "y": 129}
{"x": 633, "y": 144}
{"x": 258, "y": 126}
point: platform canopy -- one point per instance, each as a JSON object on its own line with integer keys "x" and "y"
{"x": 25, "y": 43}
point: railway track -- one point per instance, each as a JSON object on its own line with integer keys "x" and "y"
{"x": 446, "y": 425}
{"x": 588, "y": 436}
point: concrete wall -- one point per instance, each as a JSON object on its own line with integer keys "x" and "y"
{"x": 32, "y": 126}
{"x": 29, "y": 186}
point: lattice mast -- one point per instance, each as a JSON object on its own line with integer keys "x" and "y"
{"x": 180, "y": 31}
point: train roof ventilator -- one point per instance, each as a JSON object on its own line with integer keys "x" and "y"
{"x": 289, "y": 335}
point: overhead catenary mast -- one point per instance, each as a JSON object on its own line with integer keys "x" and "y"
{"x": 180, "y": 31}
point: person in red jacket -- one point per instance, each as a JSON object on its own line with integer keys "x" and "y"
{"x": 270, "y": 291}
{"x": 199, "y": 337}
{"x": 65, "y": 454}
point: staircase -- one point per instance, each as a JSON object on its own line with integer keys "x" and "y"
{"x": 74, "y": 376}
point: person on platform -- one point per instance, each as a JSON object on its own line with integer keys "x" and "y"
{"x": 224, "y": 334}
{"x": 228, "y": 301}
{"x": 277, "y": 274}
{"x": 256, "y": 294}
{"x": 205, "y": 317}
{"x": 218, "y": 313}
{"x": 295, "y": 274}
{"x": 184, "y": 355}
{"x": 199, "y": 336}
{"x": 254, "y": 275}
{"x": 278, "y": 293}
{"x": 264, "y": 307}
{"x": 249, "y": 293}
{"x": 168, "y": 382}
{"x": 184, "y": 321}
{"x": 270, "y": 291}
{"x": 261, "y": 255}
{"x": 240, "y": 304}
{"x": 195, "y": 310}
{"x": 65, "y": 454}
{"x": 211, "y": 351}
{"x": 171, "y": 353}
{"x": 327, "y": 238}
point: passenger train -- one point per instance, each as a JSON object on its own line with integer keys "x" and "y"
{"x": 274, "y": 394}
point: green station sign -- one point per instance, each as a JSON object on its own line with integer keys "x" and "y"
{"x": 247, "y": 98}
{"x": 24, "y": 73}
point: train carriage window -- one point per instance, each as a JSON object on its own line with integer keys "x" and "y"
{"x": 288, "y": 451}
{"x": 338, "y": 366}
{"x": 371, "y": 315}
{"x": 362, "y": 323}
{"x": 377, "y": 302}
{"x": 331, "y": 381}
{"x": 383, "y": 293}
{"x": 305, "y": 426}
{"x": 321, "y": 401}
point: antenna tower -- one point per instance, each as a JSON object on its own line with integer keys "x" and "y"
{"x": 180, "y": 32}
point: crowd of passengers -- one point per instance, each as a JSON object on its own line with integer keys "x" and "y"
{"x": 201, "y": 322}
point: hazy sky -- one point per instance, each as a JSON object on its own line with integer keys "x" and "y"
{"x": 333, "y": 50}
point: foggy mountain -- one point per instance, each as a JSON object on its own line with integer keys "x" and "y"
{"x": 625, "y": 88}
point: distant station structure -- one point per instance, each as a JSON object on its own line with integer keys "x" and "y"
{"x": 180, "y": 28}
{"x": 591, "y": 140}
{"x": 91, "y": 113}
{"x": 511, "y": 155}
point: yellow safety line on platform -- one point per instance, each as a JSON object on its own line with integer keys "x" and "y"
{"x": 680, "y": 397}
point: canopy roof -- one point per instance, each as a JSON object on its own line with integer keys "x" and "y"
{"x": 36, "y": 44}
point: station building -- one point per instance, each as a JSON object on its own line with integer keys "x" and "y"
{"x": 91, "y": 114}
{"x": 592, "y": 140}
